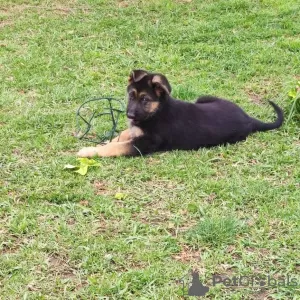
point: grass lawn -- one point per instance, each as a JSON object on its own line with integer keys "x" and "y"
{"x": 224, "y": 211}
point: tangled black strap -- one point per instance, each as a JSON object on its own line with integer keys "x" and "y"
{"x": 109, "y": 109}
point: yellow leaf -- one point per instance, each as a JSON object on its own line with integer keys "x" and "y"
{"x": 120, "y": 196}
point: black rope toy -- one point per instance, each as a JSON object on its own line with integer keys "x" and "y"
{"x": 113, "y": 108}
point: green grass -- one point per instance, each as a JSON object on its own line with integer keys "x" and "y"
{"x": 65, "y": 236}
{"x": 213, "y": 231}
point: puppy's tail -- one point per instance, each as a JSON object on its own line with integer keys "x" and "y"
{"x": 261, "y": 126}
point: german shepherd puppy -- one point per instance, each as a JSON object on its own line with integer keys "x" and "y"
{"x": 160, "y": 123}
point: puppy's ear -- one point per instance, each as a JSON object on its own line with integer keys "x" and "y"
{"x": 136, "y": 75}
{"x": 161, "y": 85}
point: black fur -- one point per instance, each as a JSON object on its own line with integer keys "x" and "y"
{"x": 175, "y": 124}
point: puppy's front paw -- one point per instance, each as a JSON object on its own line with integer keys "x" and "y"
{"x": 88, "y": 152}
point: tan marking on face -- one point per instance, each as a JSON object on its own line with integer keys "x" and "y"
{"x": 142, "y": 94}
{"x": 153, "y": 106}
{"x": 108, "y": 150}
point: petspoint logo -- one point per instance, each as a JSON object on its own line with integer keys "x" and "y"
{"x": 197, "y": 288}
{"x": 255, "y": 281}
{"x": 192, "y": 286}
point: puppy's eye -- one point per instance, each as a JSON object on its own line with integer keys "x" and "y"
{"x": 144, "y": 99}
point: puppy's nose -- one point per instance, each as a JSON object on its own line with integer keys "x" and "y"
{"x": 130, "y": 115}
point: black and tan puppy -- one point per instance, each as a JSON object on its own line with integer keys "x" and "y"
{"x": 160, "y": 123}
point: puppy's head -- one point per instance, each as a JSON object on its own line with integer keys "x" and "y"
{"x": 147, "y": 92}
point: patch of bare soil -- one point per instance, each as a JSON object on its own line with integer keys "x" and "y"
{"x": 126, "y": 3}
{"x": 101, "y": 188}
{"x": 59, "y": 266}
{"x": 254, "y": 97}
{"x": 187, "y": 255}
{"x": 5, "y": 23}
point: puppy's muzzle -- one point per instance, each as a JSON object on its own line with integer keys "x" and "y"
{"x": 130, "y": 116}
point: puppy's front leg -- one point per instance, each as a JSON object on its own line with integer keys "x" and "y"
{"x": 123, "y": 137}
{"x": 109, "y": 150}
{"x": 128, "y": 134}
